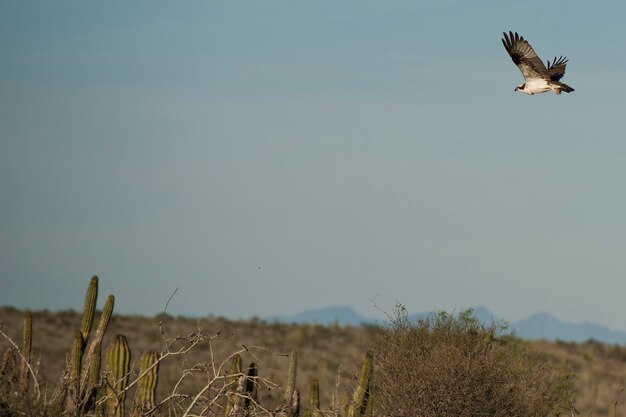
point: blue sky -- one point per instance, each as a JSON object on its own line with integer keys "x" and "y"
{"x": 271, "y": 157}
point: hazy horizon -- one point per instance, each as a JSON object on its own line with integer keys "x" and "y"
{"x": 268, "y": 158}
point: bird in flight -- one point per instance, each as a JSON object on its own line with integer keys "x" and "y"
{"x": 538, "y": 78}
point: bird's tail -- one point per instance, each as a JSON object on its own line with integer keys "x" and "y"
{"x": 557, "y": 87}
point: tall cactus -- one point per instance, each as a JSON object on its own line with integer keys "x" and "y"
{"x": 149, "y": 373}
{"x": 88, "y": 358}
{"x": 73, "y": 393}
{"x": 118, "y": 361}
{"x": 233, "y": 385}
{"x": 26, "y": 353}
{"x": 93, "y": 381}
{"x": 90, "y": 307}
{"x": 291, "y": 378}
{"x": 290, "y": 405}
{"x": 80, "y": 384}
{"x": 360, "y": 399}
{"x": 315, "y": 399}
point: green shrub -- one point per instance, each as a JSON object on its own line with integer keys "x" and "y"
{"x": 453, "y": 366}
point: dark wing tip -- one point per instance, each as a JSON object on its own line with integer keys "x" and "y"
{"x": 557, "y": 61}
{"x": 506, "y": 41}
{"x": 511, "y": 38}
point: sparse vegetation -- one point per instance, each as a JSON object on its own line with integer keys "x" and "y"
{"x": 198, "y": 379}
{"x": 441, "y": 366}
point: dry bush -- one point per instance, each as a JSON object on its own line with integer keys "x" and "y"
{"x": 453, "y": 366}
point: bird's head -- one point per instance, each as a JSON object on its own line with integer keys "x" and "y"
{"x": 520, "y": 87}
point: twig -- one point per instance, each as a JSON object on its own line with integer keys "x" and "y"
{"x": 193, "y": 341}
{"x": 169, "y": 299}
{"x": 619, "y": 394}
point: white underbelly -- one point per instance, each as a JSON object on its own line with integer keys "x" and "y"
{"x": 537, "y": 86}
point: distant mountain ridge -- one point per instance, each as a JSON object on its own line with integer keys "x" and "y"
{"x": 538, "y": 326}
{"x": 342, "y": 315}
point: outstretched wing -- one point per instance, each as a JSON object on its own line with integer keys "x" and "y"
{"x": 556, "y": 68}
{"x": 524, "y": 56}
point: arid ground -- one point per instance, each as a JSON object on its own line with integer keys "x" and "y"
{"x": 324, "y": 353}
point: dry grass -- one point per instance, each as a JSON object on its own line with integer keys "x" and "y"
{"x": 600, "y": 370}
{"x": 322, "y": 351}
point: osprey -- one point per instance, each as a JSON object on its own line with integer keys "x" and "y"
{"x": 537, "y": 77}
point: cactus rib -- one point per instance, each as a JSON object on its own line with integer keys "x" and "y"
{"x": 358, "y": 404}
{"x": 26, "y": 353}
{"x": 73, "y": 392}
{"x": 291, "y": 378}
{"x": 149, "y": 373}
{"x": 118, "y": 361}
{"x": 89, "y": 360}
{"x": 90, "y": 307}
